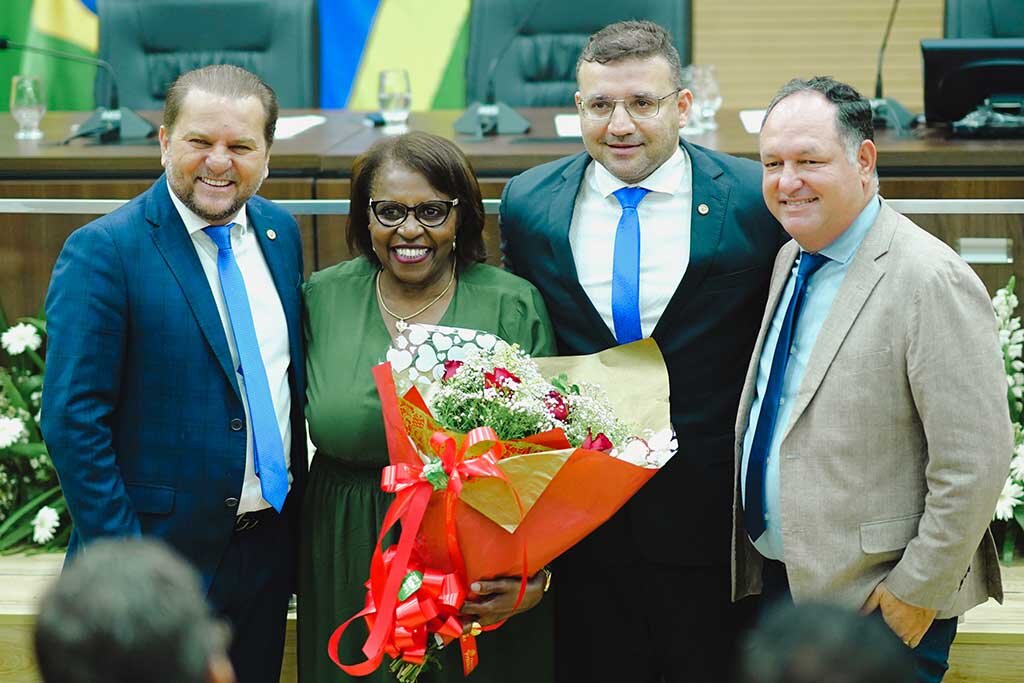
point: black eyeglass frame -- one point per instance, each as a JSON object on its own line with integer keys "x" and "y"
{"x": 625, "y": 106}
{"x": 449, "y": 204}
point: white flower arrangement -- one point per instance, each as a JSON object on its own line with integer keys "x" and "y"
{"x": 31, "y": 502}
{"x": 503, "y": 388}
{"x": 1009, "y": 508}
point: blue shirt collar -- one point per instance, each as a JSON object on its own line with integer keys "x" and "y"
{"x": 846, "y": 245}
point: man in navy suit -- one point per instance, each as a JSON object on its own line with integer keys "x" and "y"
{"x": 173, "y": 403}
{"x": 644, "y": 236}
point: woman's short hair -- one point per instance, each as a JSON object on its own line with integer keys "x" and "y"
{"x": 444, "y": 167}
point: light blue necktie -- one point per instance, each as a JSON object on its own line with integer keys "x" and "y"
{"x": 268, "y": 450}
{"x": 753, "y": 505}
{"x": 626, "y": 267}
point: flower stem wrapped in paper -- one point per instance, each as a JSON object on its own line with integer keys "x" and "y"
{"x": 500, "y": 463}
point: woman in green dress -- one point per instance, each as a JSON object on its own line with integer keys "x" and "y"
{"x": 417, "y": 224}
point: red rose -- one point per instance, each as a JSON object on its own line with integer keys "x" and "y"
{"x": 450, "y": 368}
{"x": 500, "y": 379}
{"x": 556, "y": 406}
{"x": 597, "y": 443}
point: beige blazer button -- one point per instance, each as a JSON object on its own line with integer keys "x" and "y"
{"x": 271, "y": 234}
{"x": 703, "y": 209}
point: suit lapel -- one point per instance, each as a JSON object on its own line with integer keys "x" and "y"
{"x": 175, "y": 245}
{"x": 864, "y": 273}
{"x": 710, "y": 190}
{"x": 560, "y": 210}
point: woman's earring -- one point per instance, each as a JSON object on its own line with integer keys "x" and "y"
{"x": 455, "y": 243}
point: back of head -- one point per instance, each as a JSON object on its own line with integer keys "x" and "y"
{"x": 222, "y": 80}
{"x": 632, "y": 40}
{"x": 127, "y": 611}
{"x": 824, "y": 644}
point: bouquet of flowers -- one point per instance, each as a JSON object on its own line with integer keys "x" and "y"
{"x": 1009, "y": 512}
{"x": 500, "y": 462}
{"x": 32, "y": 509}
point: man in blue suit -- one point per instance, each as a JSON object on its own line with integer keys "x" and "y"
{"x": 173, "y": 403}
{"x": 644, "y": 236}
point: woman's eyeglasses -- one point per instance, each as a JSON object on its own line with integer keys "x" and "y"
{"x": 431, "y": 214}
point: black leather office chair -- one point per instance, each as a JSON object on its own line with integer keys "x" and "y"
{"x": 538, "y": 43}
{"x": 984, "y": 19}
{"x": 151, "y": 42}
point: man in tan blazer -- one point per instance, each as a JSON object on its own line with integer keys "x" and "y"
{"x": 873, "y": 435}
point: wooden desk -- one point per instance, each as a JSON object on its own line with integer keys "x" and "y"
{"x": 317, "y": 164}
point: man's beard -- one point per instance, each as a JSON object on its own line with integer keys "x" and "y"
{"x": 214, "y": 218}
{"x": 188, "y": 197}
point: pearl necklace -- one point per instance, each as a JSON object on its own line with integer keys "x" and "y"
{"x": 400, "y": 320}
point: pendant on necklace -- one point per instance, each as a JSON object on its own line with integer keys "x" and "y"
{"x": 401, "y": 325}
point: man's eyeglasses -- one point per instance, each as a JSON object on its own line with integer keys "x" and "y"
{"x": 430, "y": 214}
{"x": 638, "y": 106}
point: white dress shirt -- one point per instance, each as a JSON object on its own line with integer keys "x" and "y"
{"x": 271, "y": 331}
{"x": 664, "y": 216}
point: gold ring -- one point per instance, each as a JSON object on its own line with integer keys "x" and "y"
{"x": 475, "y": 628}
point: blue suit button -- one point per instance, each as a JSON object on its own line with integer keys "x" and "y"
{"x": 237, "y": 425}
{"x": 230, "y": 502}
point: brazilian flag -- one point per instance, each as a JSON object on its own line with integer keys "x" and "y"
{"x": 66, "y": 25}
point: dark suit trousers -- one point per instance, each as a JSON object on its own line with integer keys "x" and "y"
{"x": 251, "y": 589}
{"x": 646, "y": 623}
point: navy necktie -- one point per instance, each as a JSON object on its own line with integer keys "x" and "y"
{"x": 753, "y": 507}
{"x": 268, "y": 450}
{"x": 626, "y": 267}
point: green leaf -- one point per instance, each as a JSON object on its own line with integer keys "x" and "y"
{"x": 1018, "y": 515}
{"x": 3, "y": 318}
{"x": 26, "y": 450}
{"x": 11, "y": 391}
{"x": 1009, "y": 541}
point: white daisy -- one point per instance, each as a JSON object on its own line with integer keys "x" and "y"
{"x": 12, "y": 430}
{"x": 45, "y": 524}
{"x": 20, "y": 337}
{"x": 1008, "y": 499}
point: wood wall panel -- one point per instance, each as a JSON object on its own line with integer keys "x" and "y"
{"x": 30, "y": 244}
{"x": 757, "y": 46}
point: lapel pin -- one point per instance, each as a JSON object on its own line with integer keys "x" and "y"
{"x": 703, "y": 209}
{"x": 272, "y": 235}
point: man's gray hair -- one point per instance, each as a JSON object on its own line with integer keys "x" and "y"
{"x": 124, "y": 611}
{"x": 853, "y": 110}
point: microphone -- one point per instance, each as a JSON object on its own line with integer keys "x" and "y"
{"x": 110, "y": 124}
{"x": 887, "y": 112}
{"x": 492, "y": 117}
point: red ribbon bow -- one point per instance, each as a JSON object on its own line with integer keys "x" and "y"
{"x": 400, "y": 628}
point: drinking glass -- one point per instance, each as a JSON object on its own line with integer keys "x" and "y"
{"x": 27, "y": 106}
{"x": 711, "y": 95}
{"x": 695, "y": 121}
{"x": 395, "y": 96}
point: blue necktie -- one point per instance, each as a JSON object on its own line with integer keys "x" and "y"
{"x": 753, "y": 507}
{"x": 626, "y": 267}
{"x": 268, "y": 450}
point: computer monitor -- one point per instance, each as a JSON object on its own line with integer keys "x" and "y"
{"x": 960, "y": 73}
